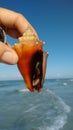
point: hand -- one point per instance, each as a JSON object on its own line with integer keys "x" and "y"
{"x": 14, "y": 25}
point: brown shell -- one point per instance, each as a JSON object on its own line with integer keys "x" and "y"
{"x": 32, "y": 60}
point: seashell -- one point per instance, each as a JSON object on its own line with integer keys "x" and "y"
{"x": 32, "y": 60}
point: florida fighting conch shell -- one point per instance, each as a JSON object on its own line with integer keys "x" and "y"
{"x": 32, "y": 59}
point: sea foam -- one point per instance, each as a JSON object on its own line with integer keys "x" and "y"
{"x": 61, "y": 119}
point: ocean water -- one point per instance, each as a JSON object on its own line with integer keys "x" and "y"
{"x": 51, "y": 109}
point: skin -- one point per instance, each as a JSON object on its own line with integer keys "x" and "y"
{"x": 14, "y": 25}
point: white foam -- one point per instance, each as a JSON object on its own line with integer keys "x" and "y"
{"x": 58, "y": 123}
{"x": 66, "y": 108}
{"x": 61, "y": 119}
{"x": 65, "y": 84}
{"x": 31, "y": 109}
{"x": 23, "y": 90}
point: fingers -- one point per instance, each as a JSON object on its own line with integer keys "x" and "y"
{"x": 13, "y": 21}
{"x": 7, "y": 54}
{"x": 15, "y": 25}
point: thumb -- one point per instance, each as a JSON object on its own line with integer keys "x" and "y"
{"x": 7, "y": 54}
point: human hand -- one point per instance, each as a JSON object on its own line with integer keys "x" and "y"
{"x": 14, "y": 25}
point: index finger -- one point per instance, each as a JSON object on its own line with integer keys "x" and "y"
{"x": 11, "y": 19}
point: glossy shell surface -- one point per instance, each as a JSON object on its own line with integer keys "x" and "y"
{"x": 32, "y": 60}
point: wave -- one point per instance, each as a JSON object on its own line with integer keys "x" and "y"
{"x": 60, "y": 101}
{"x": 58, "y": 124}
{"x": 37, "y": 111}
{"x": 23, "y": 90}
{"x": 61, "y": 119}
{"x": 43, "y": 111}
{"x": 65, "y": 84}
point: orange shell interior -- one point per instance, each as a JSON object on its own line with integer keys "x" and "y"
{"x": 25, "y": 53}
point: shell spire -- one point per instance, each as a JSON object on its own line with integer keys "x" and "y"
{"x": 29, "y": 35}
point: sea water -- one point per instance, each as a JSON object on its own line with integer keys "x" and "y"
{"x": 51, "y": 109}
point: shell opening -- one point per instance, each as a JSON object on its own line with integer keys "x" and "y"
{"x": 36, "y": 70}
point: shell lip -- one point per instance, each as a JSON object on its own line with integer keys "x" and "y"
{"x": 36, "y": 85}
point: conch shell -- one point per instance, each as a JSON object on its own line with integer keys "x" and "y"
{"x": 32, "y": 60}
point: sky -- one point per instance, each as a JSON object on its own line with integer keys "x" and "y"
{"x": 53, "y": 21}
